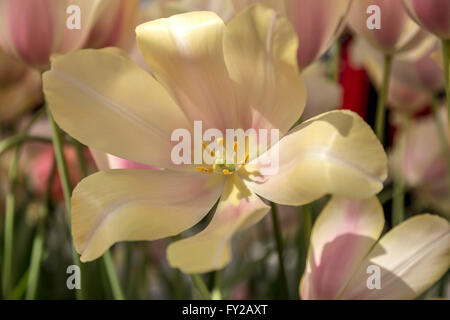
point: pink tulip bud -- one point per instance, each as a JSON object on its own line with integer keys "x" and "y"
{"x": 433, "y": 15}
{"x": 34, "y": 30}
{"x": 385, "y": 24}
{"x": 317, "y": 23}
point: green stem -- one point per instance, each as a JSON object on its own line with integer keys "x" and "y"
{"x": 398, "y": 200}
{"x": 279, "y": 244}
{"x": 38, "y": 243}
{"x": 201, "y": 286}
{"x": 446, "y": 56}
{"x": 60, "y": 162}
{"x": 398, "y": 193}
{"x": 380, "y": 120}
{"x": 217, "y": 293}
{"x": 65, "y": 182}
{"x": 9, "y": 225}
{"x": 112, "y": 276}
{"x": 35, "y": 264}
{"x": 80, "y": 156}
{"x": 13, "y": 141}
{"x": 440, "y": 128}
{"x": 303, "y": 237}
{"x": 21, "y": 287}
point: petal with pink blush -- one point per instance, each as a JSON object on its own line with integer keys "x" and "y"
{"x": 341, "y": 237}
{"x": 210, "y": 249}
{"x": 411, "y": 257}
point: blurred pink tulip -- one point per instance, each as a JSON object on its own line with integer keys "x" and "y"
{"x": 433, "y": 15}
{"x": 20, "y": 88}
{"x": 317, "y": 23}
{"x": 115, "y": 25}
{"x": 397, "y": 31}
{"x": 41, "y": 166}
{"x": 350, "y": 259}
{"x": 422, "y": 162}
{"x": 166, "y": 8}
{"x": 414, "y": 81}
{"x": 34, "y": 30}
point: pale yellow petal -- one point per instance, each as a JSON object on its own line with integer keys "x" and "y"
{"x": 185, "y": 53}
{"x": 208, "y": 250}
{"x": 342, "y": 236}
{"x": 336, "y": 153}
{"x": 261, "y": 55}
{"x": 132, "y": 205}
{"x": 411, "y": 258}
{"x": 105, "y": 101}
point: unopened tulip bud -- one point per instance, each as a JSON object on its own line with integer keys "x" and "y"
{"x": 34, "y": 30}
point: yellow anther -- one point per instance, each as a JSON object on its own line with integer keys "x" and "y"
{"x": 246, "y": 158}
{"x": 226, "y": 171}
{"x": 213, "y": 153}
{"x": 205, "y": 170}
{"x": 204, "y": 145}
{"x": 235, "y": 146}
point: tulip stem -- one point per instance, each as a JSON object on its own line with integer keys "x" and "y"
{"x": 38, "y": 242}
{"x": 201, "y": 286}
{"x": 216, "y": 292}
{"x": 303, "y": 237}
{"x": 112, "y": 276}
{"x": 380, "y": 120}
{"x": 440, "y": 127}
{"x": 398, "y": 200}
{"x": 13, "y": 141}
{"x": 11, "y": 204}
{"x": 446, "y": 57}
{"x": 80, "y": 156}
{"x": 64, "y": 178}
{"x": 279, "y": 244}
{"x": 398, "y": 193}
{"x": 9, "y": 225}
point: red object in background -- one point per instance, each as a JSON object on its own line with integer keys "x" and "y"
{"x": 355, "y": 83}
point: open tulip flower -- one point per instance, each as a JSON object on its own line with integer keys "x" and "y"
{"x": 347, "y": 260}
{"x": 317, "y": 23}
{"x": 243, "y": 75}
{"x": 34, "y": 30}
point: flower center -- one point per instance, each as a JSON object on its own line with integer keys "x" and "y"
{"x": 220, "y": 164}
